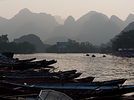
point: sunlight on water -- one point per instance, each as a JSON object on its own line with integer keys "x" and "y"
{"x": 103, "y": 68}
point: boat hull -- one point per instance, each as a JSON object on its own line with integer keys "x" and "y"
{"x": 75, "y": 91}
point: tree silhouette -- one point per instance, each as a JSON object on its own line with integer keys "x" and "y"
{"x": 125, "y": 40}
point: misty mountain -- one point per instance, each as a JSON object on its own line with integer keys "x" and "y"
{"x": 94, "y": 27}
{"x": 118, "y": 22}
{"x": 64, "y": 32}
{"x": 130, "y": 27}
{"x": 32, "y": 39}
{"x": 129, "y": 19}
{"x": 26, "y": 22}
{"x": 55, "y": 39}
{"x": 59, "y": 20}
{"x": 3, "y": 21}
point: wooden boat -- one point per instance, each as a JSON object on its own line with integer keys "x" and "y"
{"x": 31, "y": 80}
{"x": 68, "y": 72}
{"x": 93, "y": 56}
{"x": 40, "y": 79}
{"x": 117, "y": 82}
{"x": 87, "y": 54}
{"x": 88, "y": 79}
{"x": 26, "y": 60}
{"x": 58, "y": 79}
{"x": 104, "y": 56}
{"x": 43, "y": 95}
{"x": 111, "y": 82}
{"x": 37, "y": 72}
{"x": 74, "y": 90}
{"x": 44, "y": 62}
{"x": 46, "y": 72}
{"x": 43, "y": 76}
{"x": 69, "y": 76}
{"x": 52, "y": 95}
{"x": 27, "y": 65}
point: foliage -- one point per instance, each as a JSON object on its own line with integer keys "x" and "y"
{"x": 6, "y": 46}
{"x": 105, "y": 48}
{"x": 72, "y": 46}
{"x": 125, "y": 40}
{"x": 4, "y": 39}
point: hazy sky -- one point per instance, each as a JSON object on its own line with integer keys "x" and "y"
{"x": 64, "y": 8}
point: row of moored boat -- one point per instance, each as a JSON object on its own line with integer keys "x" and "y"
{"x": 23, "y": 77}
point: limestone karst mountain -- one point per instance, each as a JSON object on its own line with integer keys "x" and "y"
{"x": 130, "y": 27}
{"x": 94, "y": 27}
{"x": 27, "y": 22}
{"x": 129, "y": 19}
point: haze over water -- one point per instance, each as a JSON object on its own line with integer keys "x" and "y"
{"x": 103, "y": 68}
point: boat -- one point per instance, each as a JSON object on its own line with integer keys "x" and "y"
{"x": 58, "y": 80}
{"x": 69, "y": 76}
{"x": 25, "y": 60}
{"x": 38, "y": 72}
{"x": 52, "y": 95}
{"x": 93, "y": 56}
{"x": 40, "y": 79}
{"x": 88, "y": 79}
{"x": 43, "y": 95}
{"x": 104, "y": 56}
{"x": 31, "y": 76}
{"x": 87, "y": 54}
{"x": 74, "y": 90}
{"x": 67, "y": 72}
{"x": 45, "y": 62}
{"x": 117, "y": 82}
{"x": 26, "y": 65}
{"x": 111, "y": 82}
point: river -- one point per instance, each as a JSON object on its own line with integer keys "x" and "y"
{"x": 102, "y": 68}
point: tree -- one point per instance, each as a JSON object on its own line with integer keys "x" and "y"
{"x": 72, "y": 46}
{"x": 125, "y": 40}
{"x": 6, "y": 46}
{"x": 4, "y": 39}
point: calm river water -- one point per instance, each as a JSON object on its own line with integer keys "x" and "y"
{"x": 103, "y": 68}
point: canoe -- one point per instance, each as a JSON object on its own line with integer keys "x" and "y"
{"x": 40, "y": 79}
{"x": 27, "y": 65}
{"x": 39, "y": 72}
{"x": 88, "y": 79}
{"x": 43, "y": 95}
{"x": 111, "y": 82}
{"x": 82, "y": 91}
{"x": 68, "y": 72}
{"x": 69, "y": 76}
{"x": 57, "y": 80}
{"x": 26, "y": 60}
{"x": 44, "y": 62}
{"x": 74, "y": 90}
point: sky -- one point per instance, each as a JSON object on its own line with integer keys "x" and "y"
{"x": 64, "y": 8}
